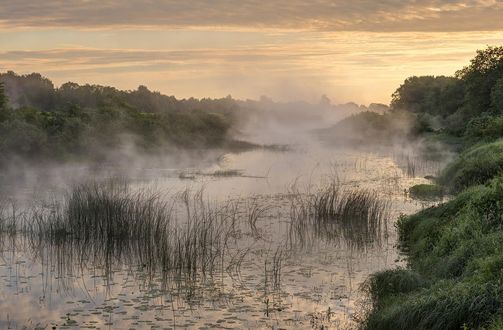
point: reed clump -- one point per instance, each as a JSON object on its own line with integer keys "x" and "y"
{"x": 109, "y": 224}
{"x": 355, "y": 216}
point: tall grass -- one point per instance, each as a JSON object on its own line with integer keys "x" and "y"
{"x": 356, "y": 217}
{"x": 455, "y": 261}
{"x": 9, "y": 219}
{"x": 108, "y": 224}
{"x": 417, "y": 164}
{"x": 255, "y": 211}
{"x": 411, "y": 167}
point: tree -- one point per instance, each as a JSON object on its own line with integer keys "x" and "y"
{"x": 497, "y": 97}
{"x": 3, "y": 103}
{"x": 3, "y": 97}
{"x": 480, "y": 78}
{"x": 428, "y": 94}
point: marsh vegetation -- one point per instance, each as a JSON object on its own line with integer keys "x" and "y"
{"x": 175, "y": 247}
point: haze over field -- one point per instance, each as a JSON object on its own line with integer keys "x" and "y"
{"x": 288, "y": 50}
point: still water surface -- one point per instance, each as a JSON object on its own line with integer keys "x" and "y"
{"x": 279, "y": 284}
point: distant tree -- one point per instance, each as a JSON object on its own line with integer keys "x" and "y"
{"x": 378, "y": 107}
{"x": 3, "y": 103}
{"x": 32, "y": 90}
{"x": 325, "y": 101}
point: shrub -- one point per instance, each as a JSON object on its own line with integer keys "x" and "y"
{"x": 426, "y": 191}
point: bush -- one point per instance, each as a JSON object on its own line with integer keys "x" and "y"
{"x": 484, "y": 128}
{"x": 426, "y": 192}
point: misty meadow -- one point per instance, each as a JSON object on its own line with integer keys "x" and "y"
{"x": 255, "y": 166}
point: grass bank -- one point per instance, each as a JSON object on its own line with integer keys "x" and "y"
{"x": 454, "y": 278}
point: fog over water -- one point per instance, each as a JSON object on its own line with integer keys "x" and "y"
{"x": 278, "y": 266}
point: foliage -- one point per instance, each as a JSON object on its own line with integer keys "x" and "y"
{"x": 454, "y": 249}
{"x": 477, "y": 165}
{"x": 91, "y": 121}
{"x": 386, "y": 284}
{"x": 426, "y": 192}
{"x": 497, "y": 97}
{"x": 460, "y": 104}
{"x": 481, "y": 77}
{"x": 3, "y": 103}
{"x": 456, "y": 256}
{"x": 486, "y": 127}
{"x": 429, "y": 94}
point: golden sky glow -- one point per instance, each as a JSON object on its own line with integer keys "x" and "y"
{"x": 358, "y": 50}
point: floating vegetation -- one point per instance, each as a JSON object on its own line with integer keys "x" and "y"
{"x": 226, "y": 173}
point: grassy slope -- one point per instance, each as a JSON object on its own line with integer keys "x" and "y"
{"x": 476, "y": 165}
{"x": 455, "y": 274}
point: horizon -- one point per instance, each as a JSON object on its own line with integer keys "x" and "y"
{"x": 289, "y": 51}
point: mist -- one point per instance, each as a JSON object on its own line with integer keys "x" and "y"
{"x": 204, "y": 201}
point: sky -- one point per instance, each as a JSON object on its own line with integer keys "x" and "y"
{"x": 356, "y": 50}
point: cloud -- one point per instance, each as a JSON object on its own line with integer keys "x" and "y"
{"x": 319, "y": 15}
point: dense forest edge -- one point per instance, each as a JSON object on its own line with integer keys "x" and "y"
{"x": 454, "y": 274}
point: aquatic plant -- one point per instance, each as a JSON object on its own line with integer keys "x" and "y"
{"x": 255, "y": 211}
{"x": 106, "y": 224}
{"x": 356, "y": 217}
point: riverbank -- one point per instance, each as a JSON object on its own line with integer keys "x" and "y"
{"x": 454, "y": 277}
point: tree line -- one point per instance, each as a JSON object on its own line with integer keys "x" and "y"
{"x": 40, "y": 121}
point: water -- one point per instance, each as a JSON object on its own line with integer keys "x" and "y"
{"x": 278, "y": 283}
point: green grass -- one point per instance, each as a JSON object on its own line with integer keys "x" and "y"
{"x": 476, "y": 165}
{"x": 426, "y": 192}
{"x": 455, "y": 273}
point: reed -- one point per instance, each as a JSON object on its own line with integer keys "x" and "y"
{"x": 355, "y": 217}
{"x": 108, "y": 224}
{"x": 255, "y": 211}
